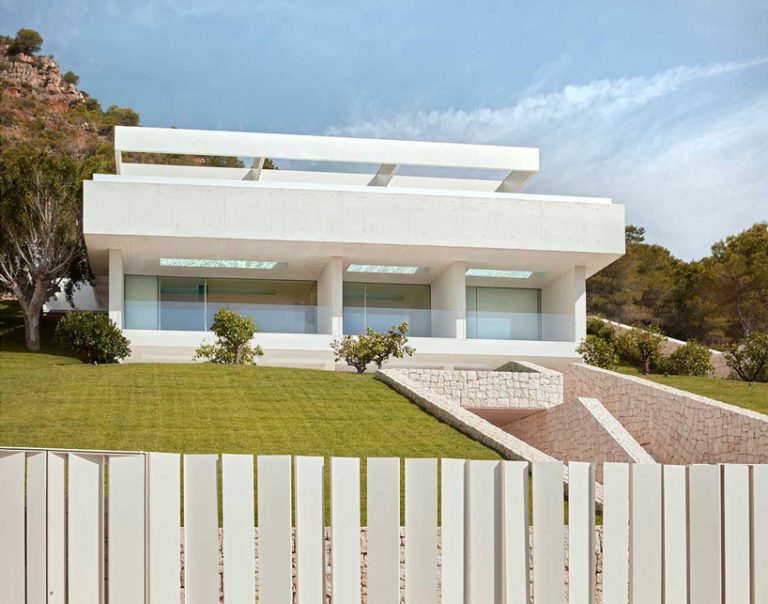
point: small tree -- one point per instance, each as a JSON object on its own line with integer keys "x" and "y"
{"x": 642, "y": 346}
{"x": 71, "y": 78}
{"x": 354, "y": 350}
{"x": 600, "y": 328}
{"x": 373, "y": 347}
{"x": 394, "y": 343}
{"x": 233, "y": 340}
{"x": 27, "y": 41}
{"x": 598, "y": 352}
{"x": 749, "y": 359}
{"x": 690, "y": 359}
{"x": 92, "y": 337}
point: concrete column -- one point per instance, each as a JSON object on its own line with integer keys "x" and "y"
{"x": 449, "y": 299}
{"x": 564, "y": 306}
{"x": 330, "y": 291}
{"x": 116, "y": 295}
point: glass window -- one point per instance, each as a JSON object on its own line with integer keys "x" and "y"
{"x": 382, "y": 305}
{"x": 275, "y": 306}
{"x": 141, "y": 308}
{"x": 503, "y": 313}
{"x": 182, "y": 304}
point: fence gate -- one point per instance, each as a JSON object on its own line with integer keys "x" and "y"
{"x": 88, "y": 527}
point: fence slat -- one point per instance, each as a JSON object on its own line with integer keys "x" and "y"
{"x": 581, "y": 533}
{"x": 37, "y": 525}
{"x": 163, "y": 527}
{"x": 201, "y": 529}
{"x": 12, "y": 584}
{"x": 452, "y": 530}
{"x": 675, "y": 534}
{"x": 126, "y": 529}
{"x": 616, "y": 533}
{"x": 57, "y": 531}
{"x": 482, "y": 531}
{"x": 421, "y": 531}
{"x": 646, "y": 533}
{"x": 704, "y": 534}
{"x": 274, "y": 512}
{"x": 514, "y": 532}
{"x": 383, "y": 506}
{"x": 85, "y": 530}
{"x": 238, "y": 522}
{"x": 345, "y": 530}
{"x": 760, "y": 532}
{"x": 310, "y": 523}
{"x": 736, "y": 538}
{"x": 548, "y": 533}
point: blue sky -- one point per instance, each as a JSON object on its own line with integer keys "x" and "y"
{"x": 661, "y": 105}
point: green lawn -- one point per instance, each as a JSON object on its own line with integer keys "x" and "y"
{"x": 733, "y": 392}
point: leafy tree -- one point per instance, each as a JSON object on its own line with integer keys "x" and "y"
{"x": 122, "y": 116}
{"x": 600, "y": 328}
{"x": 394, "y": 343}
{"x": 27, "y": 41}
{"x": 749, "y": 358}
{"x": 373, "y": 347}
{"x": 233, "y": 340}
{"x": 690, "y": 359}
{"x": 736, "y": 278}
{"x": 641, "y": 346}
{"x": 41, "y": 242}
{"x": 71, "y": 78}
{"x": 599, "y": 352}
{"x": 92, "y": 337}
{"x": 637, "y": 288}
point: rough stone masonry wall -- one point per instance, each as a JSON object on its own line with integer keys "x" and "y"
{"x": 364, "y": 564}
{"x": 674, "y": 426}
{"x": 581, "y": 429}
{"x": 526, "y": 389}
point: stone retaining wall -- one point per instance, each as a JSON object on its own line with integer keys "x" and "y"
{"x": 580, "y": 430}
{"x": 527, "y": 388}
{"x": 674, "y": 426}
{"x": 364, "y": 563}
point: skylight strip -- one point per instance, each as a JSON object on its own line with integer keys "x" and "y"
{"x": 210, "y": 263}
{"x": 382, "y": 268}
{"x": 498, "y": 274}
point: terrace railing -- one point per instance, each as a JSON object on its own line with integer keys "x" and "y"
{"x": 96, "y": 526}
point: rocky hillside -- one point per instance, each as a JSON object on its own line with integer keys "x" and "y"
{"x": 44, "y": 107}
{"x": 37, "y": 105}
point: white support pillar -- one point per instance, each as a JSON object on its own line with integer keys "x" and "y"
{"x": 116, "y": 295}
{"x": 564, "y": 307}
{"x": 449, "y": 303}
{"x": 330, "y": 290}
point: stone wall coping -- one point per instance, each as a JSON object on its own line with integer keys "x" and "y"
{"x": 614, "y": 428}
{"x": 761, "y": 417}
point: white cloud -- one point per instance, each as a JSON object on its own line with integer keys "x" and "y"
{"x": 687, "y": 160}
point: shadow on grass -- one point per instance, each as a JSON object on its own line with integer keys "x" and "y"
{"x": 12, "y": 332}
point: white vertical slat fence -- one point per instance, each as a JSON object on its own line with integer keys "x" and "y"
{"x": 671, "y": 534}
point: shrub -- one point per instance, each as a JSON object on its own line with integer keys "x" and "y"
{"x": 598, "y": 352}
{"x": 92, "y": 337}
{"x": 749, "y": 359}
{"x": 690, "y": 359}
{"x": 27, "y": 41}
{"x": 642, "y": 347}
{"x": 71, "y": 78}
{"x": 598, "y": 327}
{"x": 233, "y": 340}
{"x": 373, "y": 347}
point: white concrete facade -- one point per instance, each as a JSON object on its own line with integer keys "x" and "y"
{"x": 288, "y": 230}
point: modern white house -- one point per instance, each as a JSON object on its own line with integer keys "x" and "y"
{"x": 348, "y": 233}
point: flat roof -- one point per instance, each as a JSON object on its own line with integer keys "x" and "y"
{"x": 517, "y": 164}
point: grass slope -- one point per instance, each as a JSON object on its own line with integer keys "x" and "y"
{"x": 51, "y": 400}
{"x": 734, "y": 392}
